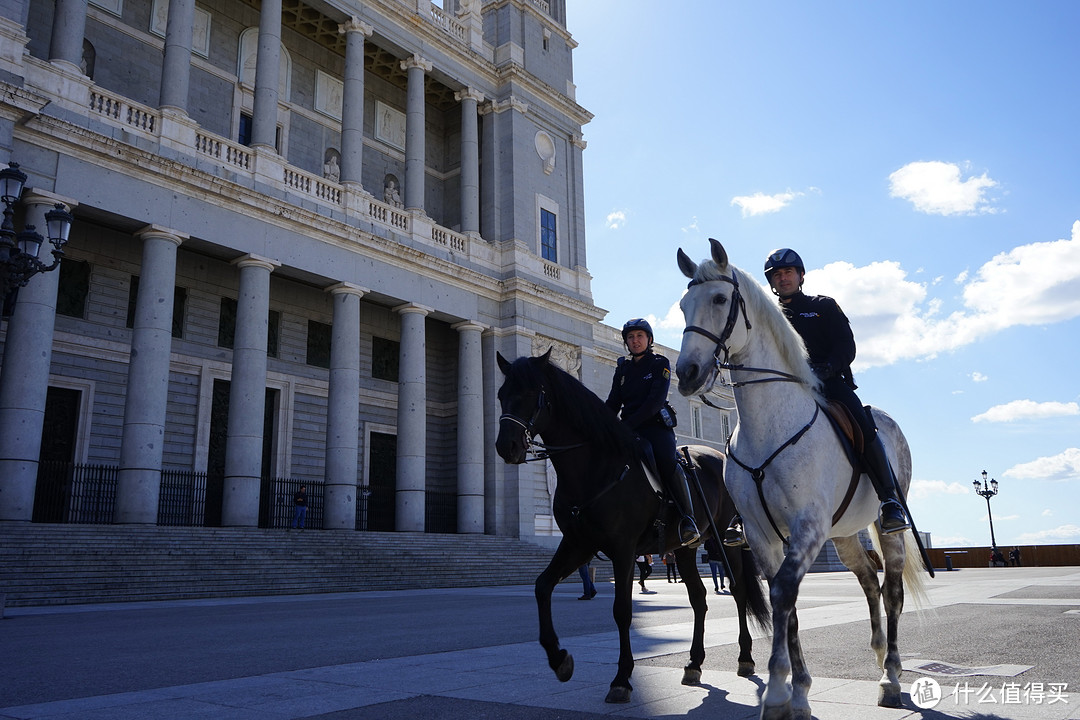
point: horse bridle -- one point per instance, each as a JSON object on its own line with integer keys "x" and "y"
{"x": 738, "y": 304}
{"x": 544, "y": 451}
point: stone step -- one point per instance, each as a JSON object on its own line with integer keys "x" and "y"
{"x": 74, "y": 564}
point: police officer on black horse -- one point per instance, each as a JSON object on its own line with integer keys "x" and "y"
{"x": 831, "y": 346}
{"x": 639, "y": 389}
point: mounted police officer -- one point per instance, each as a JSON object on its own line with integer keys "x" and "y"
{"x": 827, "y": 334}
{"x": 639, "y": 389}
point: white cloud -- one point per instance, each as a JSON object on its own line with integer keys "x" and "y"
{"x": 978, "y": 377}
{"x": 951, "y": 542}
{"x": 936, "y": 188}
{"x": 1047, "y": 512}
{"x": 762, "y": 204}
{"x": 1065, "y": 466}
{"x": 616, "y": 220}
{"x": 672, "y": 322}
{"x": 904, "y": 321}
{"x": 921, "y": 489}
{"x": 1060, "y": 533}
{"x": 1027, "y": 410}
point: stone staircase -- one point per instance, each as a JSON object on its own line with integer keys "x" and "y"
{"x": 44, "y": 564}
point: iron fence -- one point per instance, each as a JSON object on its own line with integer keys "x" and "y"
{"x": 278, "y": 508}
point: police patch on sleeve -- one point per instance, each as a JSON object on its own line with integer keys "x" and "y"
{"x": 667, "y": 374}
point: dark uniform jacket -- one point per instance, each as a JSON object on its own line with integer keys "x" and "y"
{"x": 640, "y": 389}
{"x": 826, "y": 332}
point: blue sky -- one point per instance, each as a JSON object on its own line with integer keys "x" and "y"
{"x": 922, "y": 157}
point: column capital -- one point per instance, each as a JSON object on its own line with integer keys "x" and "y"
{"x": 415, "y": 61}
{"x": 466, "y": 325}
{"x": 251, "y": 260}
{"x": 578, "y": 141}
{"x": 159, "y": 231}
{"x": 346, "y": 288}
{"x": 354, "y": 25}
{"x": 37, "y": 196}
{"x": 469, "y": 93}
{"x": 413, "y": 308}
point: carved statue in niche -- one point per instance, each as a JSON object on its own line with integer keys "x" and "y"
{"x": 331, "y": 169}
{"x": 391, "y": 196}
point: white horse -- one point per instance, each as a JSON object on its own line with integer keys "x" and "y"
{"x": 788, "y": 472}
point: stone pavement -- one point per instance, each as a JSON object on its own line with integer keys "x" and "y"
{"x": 405, "y": 658}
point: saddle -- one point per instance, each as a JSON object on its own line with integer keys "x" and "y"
{"x": 847, "y": 428}
{"x": 852, "y": 440}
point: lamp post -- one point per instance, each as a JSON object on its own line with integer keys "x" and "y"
{"x": 19, "y": 251}
{"x": 988, "y": 490}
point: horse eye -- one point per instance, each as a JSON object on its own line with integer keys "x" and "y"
{"x": 719, "y": 300}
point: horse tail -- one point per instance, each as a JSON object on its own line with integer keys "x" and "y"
{"x": 756, "y": 601}
{"x": 914, "y": 582}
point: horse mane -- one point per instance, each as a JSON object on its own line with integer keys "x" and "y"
{"x": 769, "y": 318}
{"x": 579, "y": 408}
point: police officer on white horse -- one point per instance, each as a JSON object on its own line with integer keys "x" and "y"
{"x": 826, "y": 332}
{"x": 639, "y": 389}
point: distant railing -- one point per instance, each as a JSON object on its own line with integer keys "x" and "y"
{"x": 229, "y": 154}
{"x": 130, "y": 115}
{"x": 182, "y": 502}
{"x": 440, "y": 512}
{"x": 441, "y": 18}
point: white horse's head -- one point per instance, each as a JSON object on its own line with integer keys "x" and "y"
{"x": 721, "y": 305}
{"x": 711, "y": 306}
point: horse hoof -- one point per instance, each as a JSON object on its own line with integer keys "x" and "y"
{"x": 889, "y": 696}
{"x": 565, "y": 671}
{"x": 776, "y": 712}
{"x": 691, "y": 676}
{"x": 746, "y": 669}
{"x": 618, "y": 695}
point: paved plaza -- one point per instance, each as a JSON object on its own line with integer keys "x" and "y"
{"x": 471, "y": 653}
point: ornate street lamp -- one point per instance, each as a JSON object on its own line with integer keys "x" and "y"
{"x": 19, "y": 251}
{"x": 989, "y": 491}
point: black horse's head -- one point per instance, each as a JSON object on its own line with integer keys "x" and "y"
{"x": 524, "y": 404}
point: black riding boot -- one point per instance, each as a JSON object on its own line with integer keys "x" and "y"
{"x": 891, "y": 513}
{"x": 733, "y": 536}
{"x": 679, "y": 485}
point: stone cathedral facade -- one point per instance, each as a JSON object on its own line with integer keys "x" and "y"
{"x": 303, "y": 229}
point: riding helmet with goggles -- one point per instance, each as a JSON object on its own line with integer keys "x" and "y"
{"x": 782, "y": 258}
{"x": 637, "y": 324}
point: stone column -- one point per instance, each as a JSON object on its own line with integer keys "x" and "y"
{"x": 24, "y": 375}
{"x": 411, "y": 420}
{"x": 176, "y": 66}
{"x": 470, "y": 464}
{"x": 68, "y": 29}
{"x": 267, "y": 67}
{"x": 141, "y": 443}
{"x": 342, "y": 410}
{"x": 415, "y": 67}
{"x": 352, "y": 103}
{"x": 247, "y": 395}
{"x": 470, "y": 160}
{"x": 576, "y": 219}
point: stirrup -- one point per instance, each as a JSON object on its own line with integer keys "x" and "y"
{"x": 891, "y": 517}
{"x": 688, "y": 532}
{"x": 733, "y": 536}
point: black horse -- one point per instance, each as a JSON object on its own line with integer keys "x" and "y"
{"x": 605, "y": 502}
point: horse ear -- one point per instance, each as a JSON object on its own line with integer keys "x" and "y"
{"x": 546, "y": 356}
{"x": 719, "y": 254}
{"x": 688, "y": 266}
{"x": 504, "y": 364}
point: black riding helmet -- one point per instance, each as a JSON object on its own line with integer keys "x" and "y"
{"x": 637, "y": 324}
{"x": 782, "y": 258}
